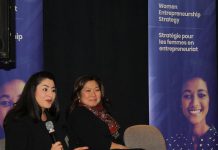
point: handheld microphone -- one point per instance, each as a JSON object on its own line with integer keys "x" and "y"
{"x": 50, "y": 127}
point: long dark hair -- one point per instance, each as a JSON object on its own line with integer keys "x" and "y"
{"x": 27, "y": 105}
{"x": 78, "y": 86}
{"x": 210, "y": 87}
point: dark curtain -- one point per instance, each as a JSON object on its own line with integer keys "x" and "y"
{"x": 103, "y": 37}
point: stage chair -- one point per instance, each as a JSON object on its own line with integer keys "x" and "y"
{"x": 145, "y": 137}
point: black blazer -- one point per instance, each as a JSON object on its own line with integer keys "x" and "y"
{"x": 27, "y": 134}
{"x": 85, "y": 129}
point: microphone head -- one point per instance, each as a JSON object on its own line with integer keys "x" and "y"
{"x": 49, "y": 126}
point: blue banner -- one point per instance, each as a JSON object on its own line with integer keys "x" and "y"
{"x": 182, "y": 69}
{"x": 29, "y": 46}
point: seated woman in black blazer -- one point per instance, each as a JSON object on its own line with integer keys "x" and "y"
{"x": 89, "y": 122}
{"x": 25, "y": 124}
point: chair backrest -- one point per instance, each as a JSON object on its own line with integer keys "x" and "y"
{"x": 144, "y": 136}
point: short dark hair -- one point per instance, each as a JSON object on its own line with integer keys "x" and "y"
{"x": 27, "y": 105}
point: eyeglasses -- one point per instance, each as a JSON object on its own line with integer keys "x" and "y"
{"x": 5, "y": 101}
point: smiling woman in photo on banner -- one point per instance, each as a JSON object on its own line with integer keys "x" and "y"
{"x": 182, "y": 43}
{"x": 196, "y": 99}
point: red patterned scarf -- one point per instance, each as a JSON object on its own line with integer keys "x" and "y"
{"x": 100, "y": 112}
